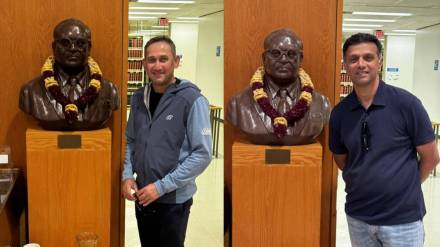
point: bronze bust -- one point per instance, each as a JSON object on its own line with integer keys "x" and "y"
{"x": 70, "y": 94}
{"x": 280, "y": 107}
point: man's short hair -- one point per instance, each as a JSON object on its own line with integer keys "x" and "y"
{"x": 162, "y": 38}
{"x": 362, "y": 38}
{"x": 72, "y": 22}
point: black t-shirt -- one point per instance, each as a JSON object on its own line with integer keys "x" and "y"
{"x": 383, "y": 182}
{"x": 155, "y": 98}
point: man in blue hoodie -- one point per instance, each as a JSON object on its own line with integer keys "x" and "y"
{"x": 168, "y": 145}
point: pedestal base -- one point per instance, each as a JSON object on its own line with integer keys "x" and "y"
{"x": 276, "y": 204}
{"x": 68, "y": 186}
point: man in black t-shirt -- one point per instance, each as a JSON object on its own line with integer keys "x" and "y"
{"x": 376, "y": 135}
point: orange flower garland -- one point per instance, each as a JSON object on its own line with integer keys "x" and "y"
{"x": 71, "y": 109}
{"x": 280, "y": 122}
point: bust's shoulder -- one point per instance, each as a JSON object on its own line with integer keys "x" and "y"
{"x": 107, "y": 83}
{"x": 317, "y": 96}
{"x": 244, "y": 94}
{"x": 33, "y": 85}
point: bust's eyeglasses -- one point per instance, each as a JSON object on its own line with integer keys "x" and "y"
{"x": 365, "y": 136}
{"x": 278, "y": 54}
{"x": 67, "y": 43}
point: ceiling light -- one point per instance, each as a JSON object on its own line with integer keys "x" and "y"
{"x": 381, "y": 13}
{"x": 369, "y": 20}
{"x": 400, "y": 34}
{"x": 189, "y": 18}
{"x": 356, "y": 29}
{"x": 165, "y": 1}
{"x": 155, "y": 8}
{"x": 184, "y": 21}
{"x": 361, "y": 25}
{"x": 405, "y": 31}
{"x": 141, "y": 17}
{"x": 147, "y": 13}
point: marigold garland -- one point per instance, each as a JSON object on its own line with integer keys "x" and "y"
{"x": 71, "y": 109}
{"x": 279, "y": 121}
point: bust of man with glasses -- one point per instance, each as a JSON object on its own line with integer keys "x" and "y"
{"x": 70, "y": 93}
{"x": 280, "y": 106}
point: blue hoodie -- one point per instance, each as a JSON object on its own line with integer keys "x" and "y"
{"x": 171, "y": 148}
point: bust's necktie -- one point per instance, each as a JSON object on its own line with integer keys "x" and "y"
{"x": 72, "y": 84}
{"x": 283, "y": 103}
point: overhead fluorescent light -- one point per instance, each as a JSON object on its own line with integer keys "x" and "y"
{"x": 404, "y": 31}
{"x": 356, "y": 30}
{"x": 154, "y": 8}
{"x": 147, "y": 13}
{"x": 163, "y": 27}
{"x": 130, "y": 17}
{"x": 189, "y": 18}
{"x": 184, "y": 21}
{"x": 165, "y": 1}
{"x": 361, "y": 25}
{"x": 381, "y": 13}
{"x": 400, "y": 34}
{"x": 369, "y": 20}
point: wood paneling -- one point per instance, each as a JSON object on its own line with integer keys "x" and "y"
{"x": 68, "y": 189}
{"x": 278, "y": 204}
{"x": 26, "y": 30}
{"x": 247, "y": 22}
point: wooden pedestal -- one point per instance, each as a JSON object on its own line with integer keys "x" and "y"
{"x": 276, "y": 204}
{"x": 68, "y": 188}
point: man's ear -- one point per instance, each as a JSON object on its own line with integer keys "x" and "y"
{"x": 176, "y": 61}
{"x": 301, "y": 58}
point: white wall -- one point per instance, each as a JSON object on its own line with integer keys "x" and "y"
{"x": 399, "y": 55}
{"x": 185, "y": 37}
{"x": 209, "y": 73}
{"x": 426, "y": 79}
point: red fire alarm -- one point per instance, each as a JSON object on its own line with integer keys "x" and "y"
{"x": 163, "y": 22}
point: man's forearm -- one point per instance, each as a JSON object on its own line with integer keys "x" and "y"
{"x": 340, "y": 160}
{"x": 429, "y": 158}
{"x": 425, "y": 169}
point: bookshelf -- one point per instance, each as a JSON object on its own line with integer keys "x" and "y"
{"x": 136, "y": 74}
{"x": 345, "y": 84}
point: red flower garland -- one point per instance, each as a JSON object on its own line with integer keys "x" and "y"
{"x": 71, "y": 108}
{"x": 281, "y": 121}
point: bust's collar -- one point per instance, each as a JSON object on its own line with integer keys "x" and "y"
{"x": 274, "y": 88}
{"x": 63, "y": 77}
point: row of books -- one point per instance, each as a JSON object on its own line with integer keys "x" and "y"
{"x": 135, "y": 85}
{"x": 134, "y": 64}
{"x": 344, "y": 77}
{"x": 346, "y": 88}
{"x": 136, "y": 42}
{"x": 135, "y": 76}
{"x": 135, "y": 53}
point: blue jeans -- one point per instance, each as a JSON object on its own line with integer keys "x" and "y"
{"x": 404, "y": 235}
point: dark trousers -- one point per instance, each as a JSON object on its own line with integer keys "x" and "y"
{"x": 163, "y": 225}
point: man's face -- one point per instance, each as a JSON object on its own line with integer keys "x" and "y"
{"x": 282, "y": 59}
{"x": 362, "y": 63}
{"x": 71, "y": 47}
{"x": 160, "y": 63}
